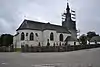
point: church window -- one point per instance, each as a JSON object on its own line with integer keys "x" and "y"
{"x": 26, "y": 34}
{"x": 22, "y": 36}
{"x": 61, "y": 37}
{"x": 51, "y": 36}
{"x": 36, "y": 34}
{"x": 31, "y": 36}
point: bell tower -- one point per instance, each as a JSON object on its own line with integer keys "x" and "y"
{"x": 67, "y": 21}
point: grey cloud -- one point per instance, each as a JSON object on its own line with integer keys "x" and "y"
{"x": 9, "y": 15}
{"x": 13, "y": 12}
{"x": 88, "y": 15}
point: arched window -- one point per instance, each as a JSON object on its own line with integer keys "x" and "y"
{"x": 22, "y": 36}
{"x": 26, "y": 34}
{"x": 51, "y": 37}
{"x": 36, "y": 34}
{"x": 31, "y": 36}
{"x": 61, "y": 37}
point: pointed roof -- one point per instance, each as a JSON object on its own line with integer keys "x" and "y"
{"x": 67, "y": 5}
{"x": 35, "y": 25}
{"x": 70, "y": 38}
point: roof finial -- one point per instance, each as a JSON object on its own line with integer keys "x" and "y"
{"x": 67, "y": 7}
{"x": 67, "y": 4}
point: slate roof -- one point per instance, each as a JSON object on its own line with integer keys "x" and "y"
{"x": 95, "y": 38}
{"x": 35, "y": 25}
{"x": 71, "y": 39}
{"x": 16, "y": 34}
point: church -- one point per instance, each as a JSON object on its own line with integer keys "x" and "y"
{"x": 37, "y": 33}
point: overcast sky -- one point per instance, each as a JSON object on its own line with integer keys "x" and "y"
{"x": 13, "y": 12}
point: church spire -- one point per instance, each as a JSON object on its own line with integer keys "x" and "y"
{"x": 66, "y": 16}
{"x": 68, "y": 9}
{"x": 67, "y": 21}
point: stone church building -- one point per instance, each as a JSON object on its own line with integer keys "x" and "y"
{"x": 37, "y": 33}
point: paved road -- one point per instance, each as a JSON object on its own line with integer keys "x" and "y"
{"x": 82, "y": 58}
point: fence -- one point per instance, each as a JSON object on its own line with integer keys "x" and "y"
{"x": 26, "y": 48}
{"x": 7, "y": 49}
{"x": 42, "y": 49}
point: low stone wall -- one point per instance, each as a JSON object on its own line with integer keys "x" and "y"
{"x": 81, "y": 47}
{"x": 66, "y": 48}
{"x": 42, "y": 49}
{"x": 7, "y": 49}
{"x": 27, "y": 48}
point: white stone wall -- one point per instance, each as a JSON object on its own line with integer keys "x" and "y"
{"x": 35, "y": 42}
{"x": 94, "y": 42}
{"x": 72, "y": 43}
{"x": 65, "y": 35}
{"x": 43, "y": 36}
{"x": 16, "y": 41}
{"x": 46, "y": 35}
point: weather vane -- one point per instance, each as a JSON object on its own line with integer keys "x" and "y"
{"x": 67, "y": 0}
